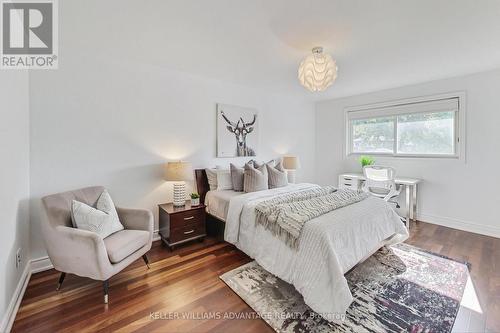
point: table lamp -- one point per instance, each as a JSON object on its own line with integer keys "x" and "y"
{"x": 179, "y": 173}
{"x": 290, "y": 164}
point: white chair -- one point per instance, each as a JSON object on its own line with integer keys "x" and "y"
{"x": 380, "y": 182}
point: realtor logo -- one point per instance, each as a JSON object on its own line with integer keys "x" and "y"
{"x": 29, "y": 34}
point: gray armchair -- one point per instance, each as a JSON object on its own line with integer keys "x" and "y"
{"x": 85, "y": 253}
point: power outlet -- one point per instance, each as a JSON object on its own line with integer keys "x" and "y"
{"x": 19, "y": 258}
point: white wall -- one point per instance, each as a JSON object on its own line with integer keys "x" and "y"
{"x": 111, "y": 121}
{"x": 14, "y": 183}
{"x": 459, "y": 194}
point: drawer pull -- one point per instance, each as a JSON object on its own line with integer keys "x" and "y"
{"x": 188, "y": 232}
{"x": 188, "y": 218}
{"x": 347, "y": 178}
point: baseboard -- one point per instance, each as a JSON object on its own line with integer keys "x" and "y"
{"x": 15, "y": 302}
{"x": 460, "y": 225}
{"x": 40, "y": 264}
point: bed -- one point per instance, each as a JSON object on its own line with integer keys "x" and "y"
{"x": 217, "y": 202}
{"x": 330, "y": 245}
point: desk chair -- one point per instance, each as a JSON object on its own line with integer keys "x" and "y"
{"x": 380, "y": 183}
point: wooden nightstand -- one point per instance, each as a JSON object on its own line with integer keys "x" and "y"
{"x": 181, "y": 224}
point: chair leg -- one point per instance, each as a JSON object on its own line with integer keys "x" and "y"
{"x": 61, "y": 279}
{"x": 105, "y": 286}
{"x": 146, "y": 260}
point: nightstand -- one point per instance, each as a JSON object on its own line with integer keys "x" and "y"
{"x": 181, "y": 224}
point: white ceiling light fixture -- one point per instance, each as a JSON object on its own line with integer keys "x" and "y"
{"x": 318, "y": 70}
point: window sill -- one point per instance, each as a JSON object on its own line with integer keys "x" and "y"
{"x": 407, "y": 156}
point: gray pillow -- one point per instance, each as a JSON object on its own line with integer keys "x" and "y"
{"x": 237, "y": 176}
{"x": 102, "y": 220}
{"x": 255, "y": 179}
{"x": 276, "y": 175}
{"x": 259, "y": 164}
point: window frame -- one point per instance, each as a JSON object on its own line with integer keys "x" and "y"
{"x": 459, "y": 125}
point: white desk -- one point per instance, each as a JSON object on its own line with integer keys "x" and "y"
{"x": 355, "y": 181}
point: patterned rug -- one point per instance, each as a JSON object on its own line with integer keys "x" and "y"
{"x": 399, "y": 289}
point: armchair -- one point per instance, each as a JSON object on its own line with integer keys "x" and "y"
{"x": 85, "y": 253}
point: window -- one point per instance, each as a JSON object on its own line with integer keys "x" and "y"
{"x": 419, "y": 129}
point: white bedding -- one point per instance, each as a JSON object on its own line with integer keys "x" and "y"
{"x": 217, "y": 202}
{"x": 329, "y": 246}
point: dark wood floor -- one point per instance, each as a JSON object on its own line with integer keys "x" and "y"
{"x": 186, "y": 282}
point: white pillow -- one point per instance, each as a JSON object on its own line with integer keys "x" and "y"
{"x": 224, "y": 181}
{"x": 104, "y": 220}
{"x": 212, "y": 178}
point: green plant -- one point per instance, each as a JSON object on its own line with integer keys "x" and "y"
{"x": 366, "y": 160}
{"x": 195, "y": 195}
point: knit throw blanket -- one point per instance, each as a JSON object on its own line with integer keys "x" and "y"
{"x": 285, "y": 216}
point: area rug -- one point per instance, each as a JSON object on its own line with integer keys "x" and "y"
{"x": 398, "y": 289}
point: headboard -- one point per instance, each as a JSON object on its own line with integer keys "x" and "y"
{"x": 201, "y": 183}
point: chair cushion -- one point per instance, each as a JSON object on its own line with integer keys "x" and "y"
{"x": 123, "y": 243}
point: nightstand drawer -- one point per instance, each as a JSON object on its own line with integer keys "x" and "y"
{"x": 182, "y": 219}
{"x": 180, "y": 224}
{"x": 186, "y": 232}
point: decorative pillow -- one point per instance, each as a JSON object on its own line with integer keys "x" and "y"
{"x": 277, "y": 176}
{"x": 255, "y": 179}
{"x": 212, "y": 178}
{"x": 102, "y": 220}
{"x": 224, "y": 181}
{"x": 259, "y": 164}
{"x": 238, "y": 176}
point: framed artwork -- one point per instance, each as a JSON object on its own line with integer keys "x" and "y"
{"x": 237, "y": 131}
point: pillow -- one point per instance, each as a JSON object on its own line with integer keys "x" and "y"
{"x": 224, "y": 181}
{"x": 255, "y": 178}
{"x": 212, "y": 178}
{"x": 102, "y": 220}
{"x": 277, "y": 176}
{"x": 259, "y": 164}
{"x": 238, "y": 176}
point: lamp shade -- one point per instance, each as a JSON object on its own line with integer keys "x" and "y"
{"x": 178, "y": 171}
{"x": 317, "y": 71}
{"x": 291, "y": 162}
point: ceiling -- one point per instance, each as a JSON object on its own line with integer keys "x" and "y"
{"x": 377, "y": 44}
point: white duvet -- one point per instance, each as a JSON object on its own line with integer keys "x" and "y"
{"x": 329, "y": 245}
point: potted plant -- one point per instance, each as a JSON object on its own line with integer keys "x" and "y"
{"x": 366, "y": 160}
{"x": 195, "y": 199}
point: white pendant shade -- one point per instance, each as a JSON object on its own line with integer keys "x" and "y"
{"x": 317, "y": 71}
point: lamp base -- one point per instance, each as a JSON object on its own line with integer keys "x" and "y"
{"x": 291, "y": 176}
{"x": 179, "y": 194}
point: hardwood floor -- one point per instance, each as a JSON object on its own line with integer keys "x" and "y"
{"x": 185, "y": 282}
{"x": 483, "y": 254}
